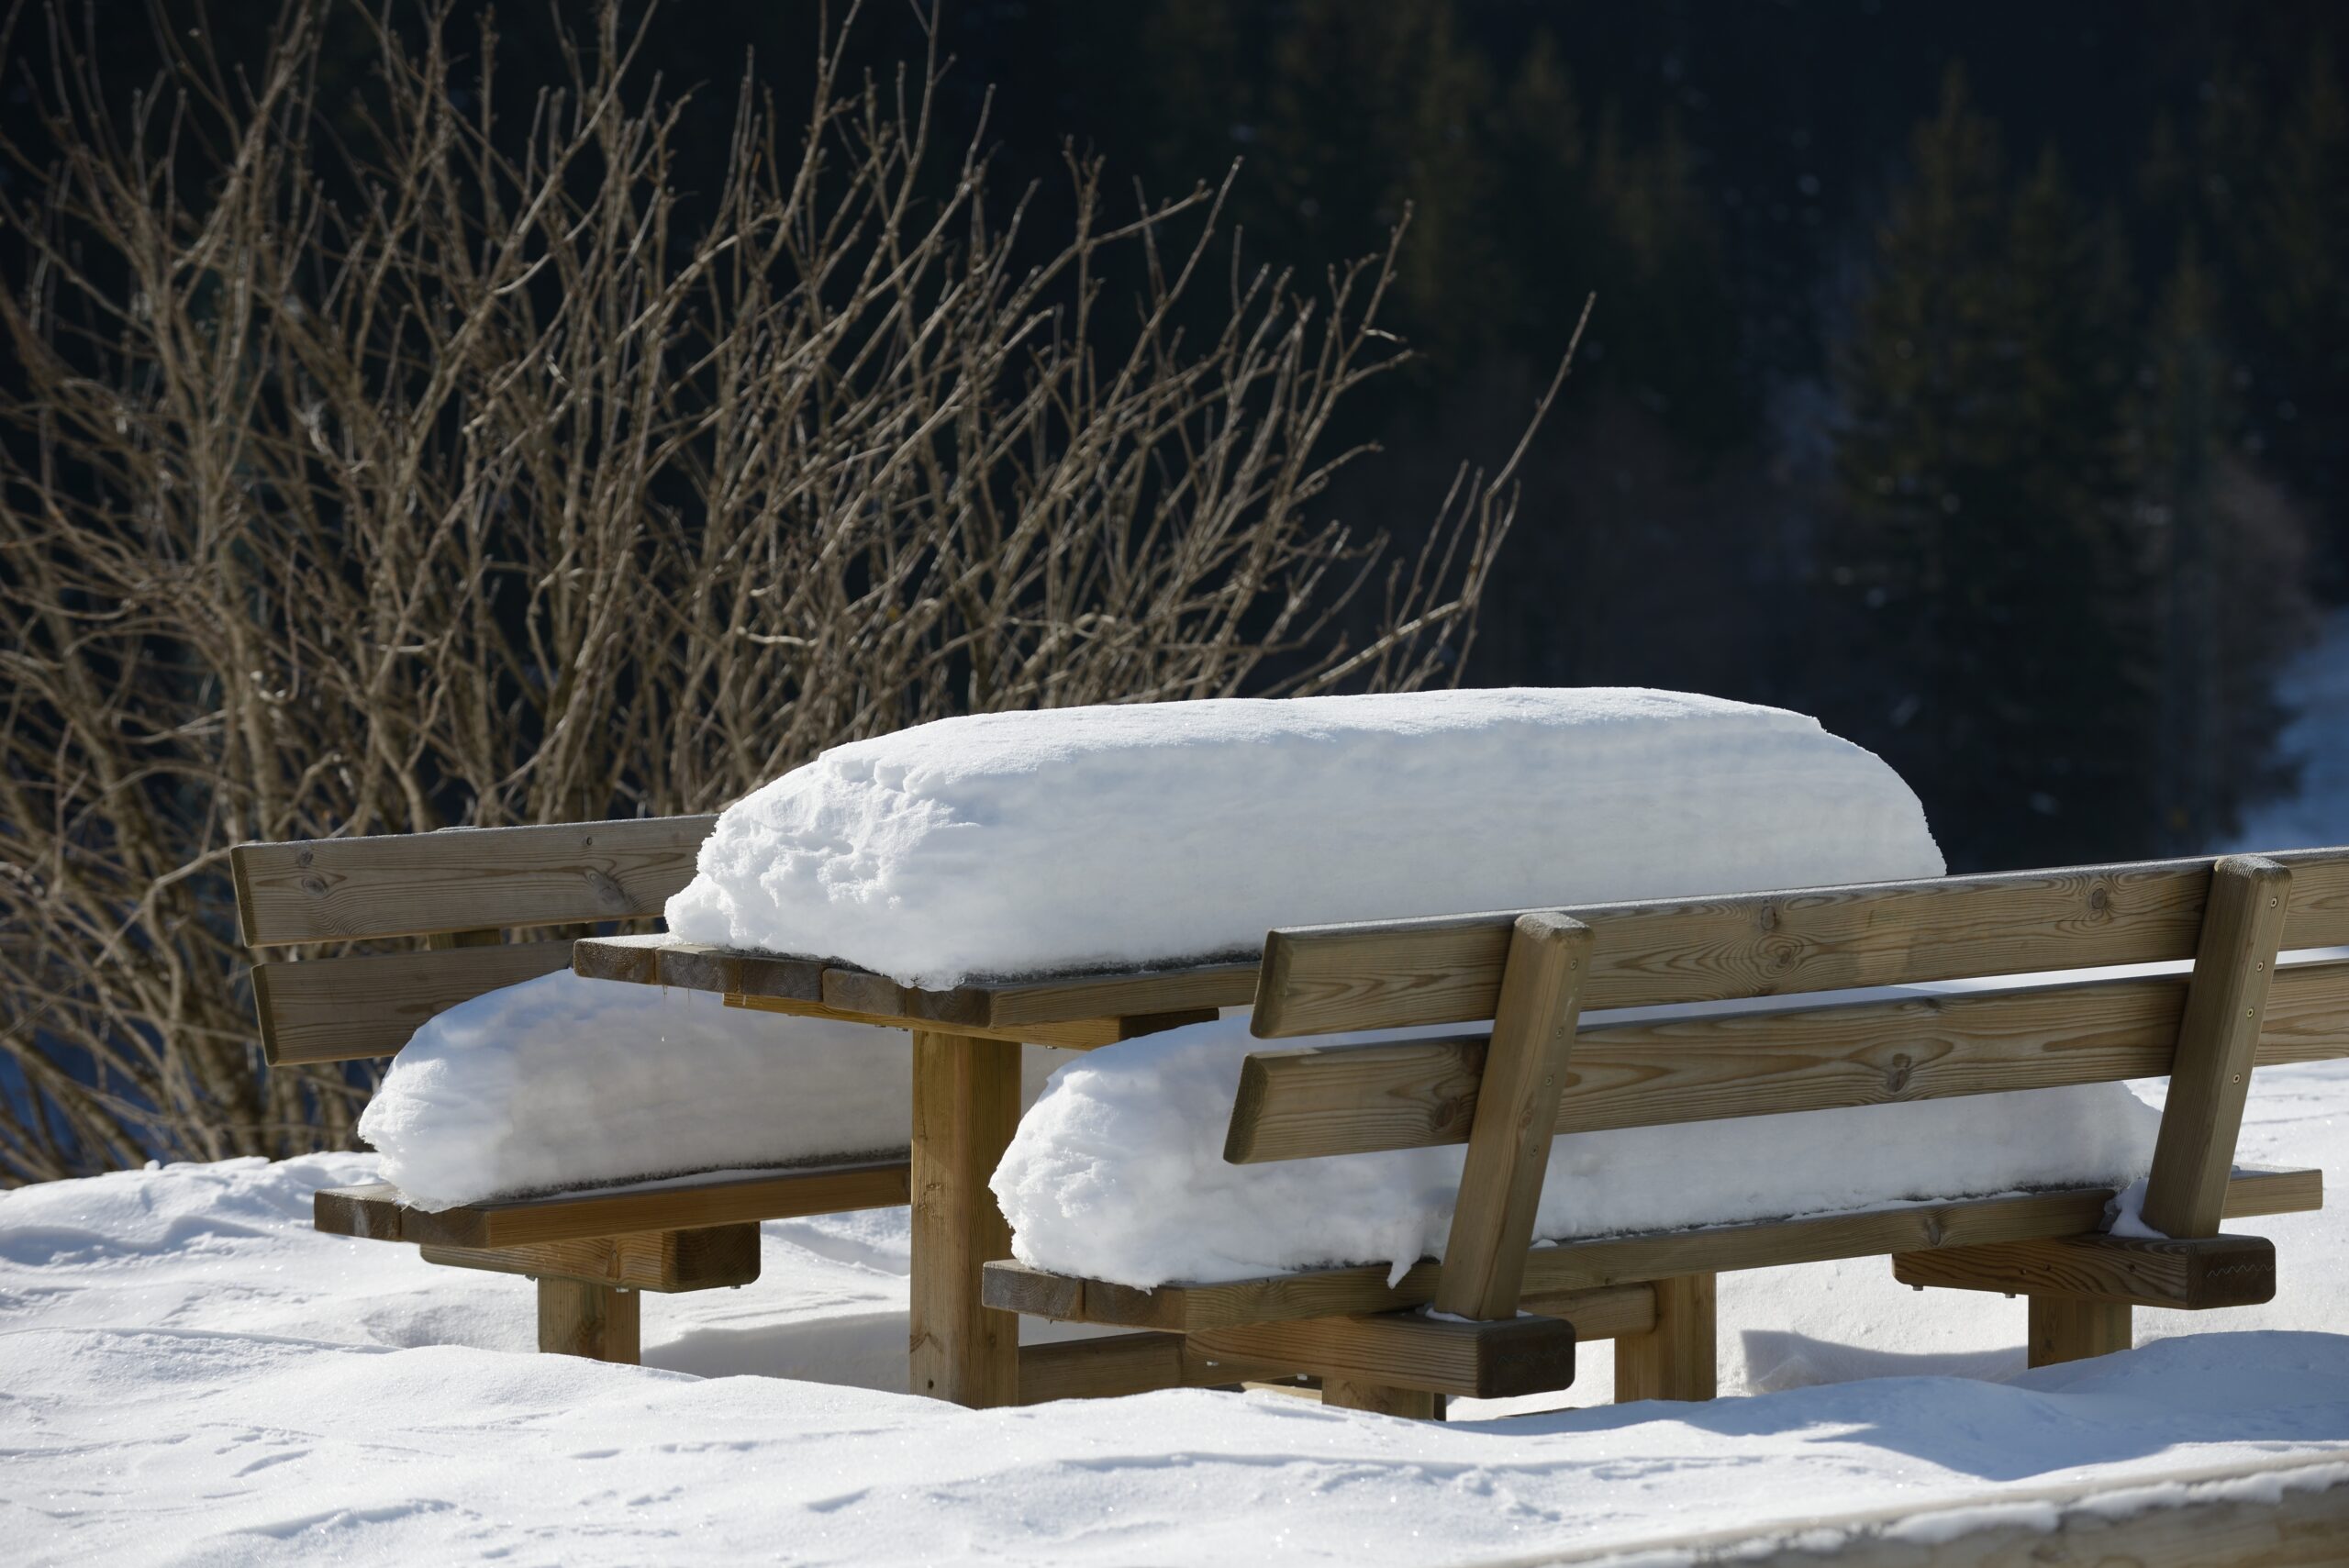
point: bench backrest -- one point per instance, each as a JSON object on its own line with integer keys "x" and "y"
{"x": 1831, "y": 1052}
{"x": 459, "y": 889}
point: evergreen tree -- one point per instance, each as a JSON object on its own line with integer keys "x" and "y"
{"x": 1984, "y": 541}
{"x": 2231, "y": 554}
{"x": 2297, "y": 236}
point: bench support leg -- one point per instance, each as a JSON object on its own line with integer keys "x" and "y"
{"x": 1381, "y": 1399}
{"x": 966, "y": 1104}
{"x": 2066, "y": 1328}
{"x": 1674, "y": 1360}
{"x": 577, "y": 1318}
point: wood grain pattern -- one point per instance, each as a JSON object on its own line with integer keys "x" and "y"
{"x": 1553, "y": 1272}
{"x": 1120, "y": 1364}
{"x": 1305, "y": 1102}
{"x": 2067, "y": 1328}
{"x": 409, "y": 884}
{"x": 2188, "y": 1276}
{"x": 597, "y": 1321}
{"x": 965, "y": 1105}
{"x": 1322, "y": 980}
{"x": 344, "y": 1009}
{"x": 693, "y": 966}
{"x": 1492, "y": 1359}
{"x": 1508, "y": 1146}
{"x": 1082, "y": 1034}
{"x": 375, "y": 1212}
{"x": 1677, "y": 1358}
{"x": 1210, "y": 985}
{"x": 1011, "y": 1009}
{"x": 1381, "y": 1399}
{"x": 2218, "y": 1042}
{"x": 668, "y": 1261}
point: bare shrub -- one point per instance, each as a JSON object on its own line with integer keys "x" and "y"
{"x": 376, "y": 479}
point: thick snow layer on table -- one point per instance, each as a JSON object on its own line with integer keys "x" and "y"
{"x": 562, "y": 1083}
{"x": 1104, "y": 836}
{"x": 1117, "y": 1172}
{"x": 190, "y": 1374}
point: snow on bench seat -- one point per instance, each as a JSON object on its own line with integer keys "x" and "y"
{"x": 1118, "y": 1173}
{"x": 560, "y": 1083}
{"x": 1126, "y": 837}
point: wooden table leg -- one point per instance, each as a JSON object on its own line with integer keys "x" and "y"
{"x": 2064, "y": 1329}
{"x": 580, "y": 1319}
{"x": 1412, "y": 1403}
{"x": 1676, "y": 1359}
{"x": 966, "y": 1103}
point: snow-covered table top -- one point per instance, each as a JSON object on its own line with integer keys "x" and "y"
{"x": 1077, "y": 1009}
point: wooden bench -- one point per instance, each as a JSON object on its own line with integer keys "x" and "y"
{"x": 462, "y": 892}
{"x": 1540, "y": 1072}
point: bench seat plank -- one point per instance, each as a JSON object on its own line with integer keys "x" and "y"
{"x": 375, "y": 1212}
{"x": 1305, "y": 1102}
{"x": 1556, "y": 1270}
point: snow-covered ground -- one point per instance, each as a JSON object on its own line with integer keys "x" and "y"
{"x": 189, "y": 1374}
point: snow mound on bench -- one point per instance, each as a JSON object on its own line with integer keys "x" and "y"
{"x": 1094, "y": 837}
{"x": 1118, "y": 1173}
{"x": 562, "y": 1083}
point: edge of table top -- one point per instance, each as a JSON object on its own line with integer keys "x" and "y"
{"x": 841, "y": 988}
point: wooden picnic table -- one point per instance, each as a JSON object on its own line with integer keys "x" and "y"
{"x": 966, "y": 1102}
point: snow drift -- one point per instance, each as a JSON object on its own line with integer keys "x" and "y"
{"x": 1125, "y": 835}
{"x": 563, "y": 1083}
{"x": 1118, "y": 1173}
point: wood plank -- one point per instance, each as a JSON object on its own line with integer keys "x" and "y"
{"x": 1492, "y": 1359}
{"x": 1552, "y": 1271}
{"x": 1381, "y": 1399}
{"x": 2188, "y": 1275}
{"x": 2067, "y": 1328}
{"x": 2218, "y": 1042}
{"x": 1326, "y": 979}
{"x": 344, "y": 1009}
{"x": 1724, "y": 1248}
{"x": 1083, "y": 1034}
{"x": 693, "y": 966}
{"x": 1305, "y": 1102}
{"x": 1678, "y": 1358}
{"x": 1508, "y": 1147}
{"x": 965, "y": 1105}
{"x": 597, "y": 1321}
{"x": 1194, "y": 991}
{"x": 1009, "y": 1009}
{"x": 375, "y": 1212}
{"x": 1173, "y": 990}
{"x": 410, "y": 884}
{"x": 670, "y": 1262}
{"x": 1120, "y": 1364}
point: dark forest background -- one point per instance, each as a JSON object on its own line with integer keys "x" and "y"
{"x": 1972, "y": 376}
